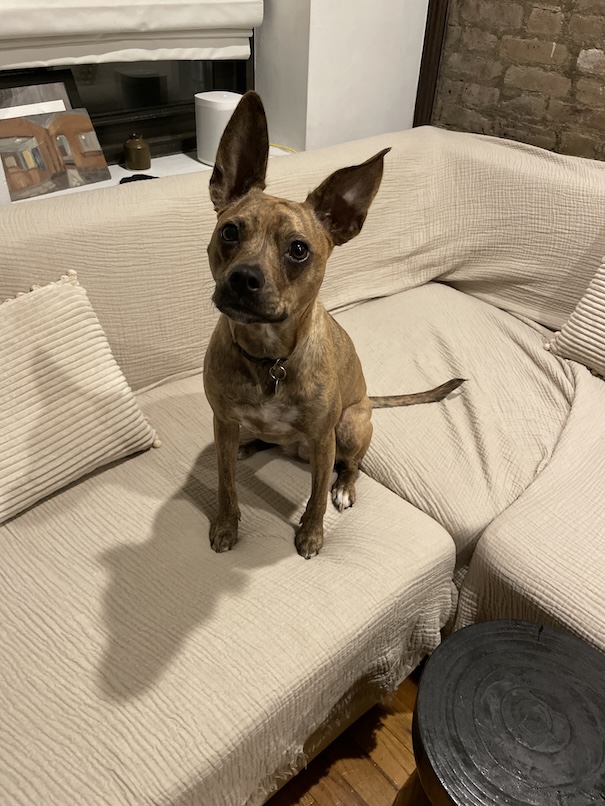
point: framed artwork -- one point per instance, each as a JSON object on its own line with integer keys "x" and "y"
{"x": 45, "y": 153}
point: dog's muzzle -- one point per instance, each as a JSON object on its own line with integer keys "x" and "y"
{"x": 240, "y": 297}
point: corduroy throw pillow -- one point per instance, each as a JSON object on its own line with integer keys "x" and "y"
{"x": 65, "y": 406}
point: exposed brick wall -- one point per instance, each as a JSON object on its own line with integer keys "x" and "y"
{"x": 526, "y": 70}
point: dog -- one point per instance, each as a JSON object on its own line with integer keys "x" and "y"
{"x": 278, "y": 364}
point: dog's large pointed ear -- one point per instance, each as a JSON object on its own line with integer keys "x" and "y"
{"x": 241, "y": 158}
{"x": 342, "y": 201}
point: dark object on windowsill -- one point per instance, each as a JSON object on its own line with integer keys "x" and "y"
{"x": 137, "y": 156}
{"x": 135, "y": 178}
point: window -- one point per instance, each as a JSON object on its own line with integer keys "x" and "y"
{"x": 154, "y": 99}
{"x": 38, "y": 159}
{"x": 89, "y": 143}
{"x": 136, "y": 66}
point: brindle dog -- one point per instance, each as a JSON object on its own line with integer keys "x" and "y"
{"x": 278, "y": 364}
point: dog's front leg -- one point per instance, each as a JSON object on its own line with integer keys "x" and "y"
{"x": 223, "y": 530}
{"x": 310, "y": 536}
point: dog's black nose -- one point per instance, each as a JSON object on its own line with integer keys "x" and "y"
{"x": 244, "y": 279}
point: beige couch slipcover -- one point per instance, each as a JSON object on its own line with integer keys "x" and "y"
{"x": 138, "y": 667}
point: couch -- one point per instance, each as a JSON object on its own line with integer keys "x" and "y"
{"x": 139, "y": 667}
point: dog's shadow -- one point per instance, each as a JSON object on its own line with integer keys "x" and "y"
{"x": 161, "y": 590}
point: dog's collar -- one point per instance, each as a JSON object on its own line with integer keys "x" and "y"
{"x": 264, "y": 362}
{"x": 277, "y": 371}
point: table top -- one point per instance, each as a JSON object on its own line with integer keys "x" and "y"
{"x": 514, "y": 713}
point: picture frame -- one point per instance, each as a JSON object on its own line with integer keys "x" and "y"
{"x": 46, "y": 153}
{"x": 34, "y": 91}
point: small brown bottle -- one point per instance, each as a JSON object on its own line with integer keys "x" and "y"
{"x": 137, "y": 156}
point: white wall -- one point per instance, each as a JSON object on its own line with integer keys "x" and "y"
{"x": 336, "y": 70}
{"x": 281, "y": 53}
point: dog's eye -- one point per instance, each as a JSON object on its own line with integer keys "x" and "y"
{"x": 298, "y": 250}
{"x": 230, "y": 233}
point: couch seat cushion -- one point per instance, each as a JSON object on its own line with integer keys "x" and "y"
{"x": 465, "y": 459}
{"x": 137, "y": 666}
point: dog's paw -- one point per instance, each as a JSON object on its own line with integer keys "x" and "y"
{"x": 223, "y": 535}
{"x": 309, "y": 540}
{"x": 343, "y": 495}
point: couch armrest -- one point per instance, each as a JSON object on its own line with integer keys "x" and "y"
{"x": 543, "y": 559}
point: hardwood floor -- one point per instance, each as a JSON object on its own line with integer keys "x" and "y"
{"x": 366, "y": 766}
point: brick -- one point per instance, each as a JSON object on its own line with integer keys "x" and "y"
{"x": 526, "y": 106}
{"x": 473, "y": 65}
{"x": 595, "y": 119}
{"x": 453, "y": 35}
{"x": 453, "y": 14}
{"x": 476, "y": 39}
{"x": 561, "y": 112}
{"x": 595, "y": 6}
{"x": 578, "y": 145}
{"x": 493, "y": 15}
{"x": 587, "y": 30}
{"x": 591, "y": 91}
{"x": 437, "y": 113}
{"x": 526, "y": 133}
{"x": 545, "y": 21}
{"x": 592, "y": 61}
{"x": 576, "y": 115}
{"x": 536, "y": 80}
{"x": 477, "y": 95}
{"x": 449, "y": 89}
{"x": 467, "y": 120}
{"x": 534, "y": 51}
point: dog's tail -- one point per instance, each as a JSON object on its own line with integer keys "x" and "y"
{"x": 430, "y": 396}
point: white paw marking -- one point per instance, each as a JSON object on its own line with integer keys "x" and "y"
{"x": 341, "y": 499}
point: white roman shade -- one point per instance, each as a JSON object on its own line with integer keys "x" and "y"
{"x": 38, "y": 33}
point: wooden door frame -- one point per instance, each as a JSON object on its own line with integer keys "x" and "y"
{"x": 434, "y": 37}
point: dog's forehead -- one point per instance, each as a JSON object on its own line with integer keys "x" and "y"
{"x": 262, "y": 212}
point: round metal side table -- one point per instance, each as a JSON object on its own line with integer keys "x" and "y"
{"x": 510, "y": 712}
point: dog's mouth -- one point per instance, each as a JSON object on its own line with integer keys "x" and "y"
{"x": 244, "y": 312}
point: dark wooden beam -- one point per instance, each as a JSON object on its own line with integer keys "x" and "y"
{"x": 434, "y": 37}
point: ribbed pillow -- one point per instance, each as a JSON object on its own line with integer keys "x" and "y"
{"x": 65, "y": 406}
{"x": 582, "y": 337}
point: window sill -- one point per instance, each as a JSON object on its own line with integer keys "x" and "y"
{"x": 171, "y": 165}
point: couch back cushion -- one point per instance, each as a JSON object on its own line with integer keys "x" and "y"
{"x": 140, "y": 254}
{"x": 140, "y": 251}
{"x": 514, "y": 225}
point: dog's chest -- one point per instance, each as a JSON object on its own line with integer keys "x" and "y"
{"x": 272, "y": 420}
